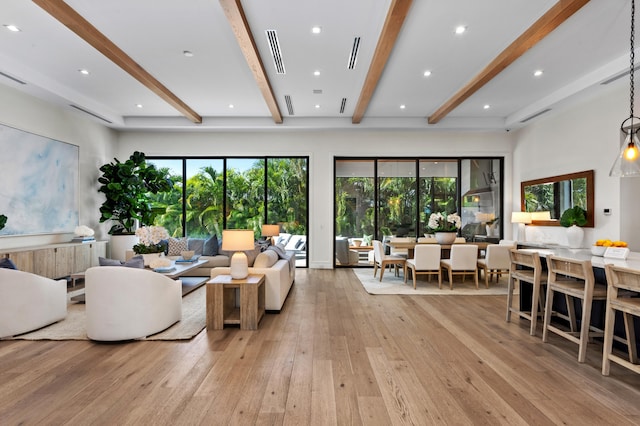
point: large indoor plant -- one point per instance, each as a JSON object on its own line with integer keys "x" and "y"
{"x": 572, "y": 219}
{"x": 126, "y": 186}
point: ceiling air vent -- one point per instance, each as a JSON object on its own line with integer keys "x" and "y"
{"x": 287, "y": 100}
{"x": 274, "y": 46}
{"x": 343, "y": 104}
{"x": 538, "y": 114}
{"x": 317, "y": 91}
{"x": 90, "y": 113}
{"x": 353, "y": 57}
{"x": 12, "y": 78}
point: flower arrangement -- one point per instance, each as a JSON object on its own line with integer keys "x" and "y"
{"x": 150, "y": 239}
{"x": 438, "y": 222}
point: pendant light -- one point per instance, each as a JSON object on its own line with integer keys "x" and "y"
{"x": 628, "y": 162}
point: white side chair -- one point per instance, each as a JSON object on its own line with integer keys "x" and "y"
{"x": 402, "y": 252}
{"x": 508, "y": 243}
{"x": 426, "y": 261}
{"x": 427, "y": 240}
{"x": 496, "y": 262}
{"x": 382, "y": 260}
{"x": 463, "y": 260}
{"x": 460, "y": 240}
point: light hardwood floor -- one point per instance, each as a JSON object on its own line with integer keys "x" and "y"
{"x": 334, "y": 355}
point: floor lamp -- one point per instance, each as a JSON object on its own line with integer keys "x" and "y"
{"x": 521, "y": 218}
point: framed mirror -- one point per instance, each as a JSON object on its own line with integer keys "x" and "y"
{"x": 556, "y": 194}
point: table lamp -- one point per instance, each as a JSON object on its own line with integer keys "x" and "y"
{"x": 270, "y": 231}
{"x": 521, "y": 218}
{"x": 238, "y": 240}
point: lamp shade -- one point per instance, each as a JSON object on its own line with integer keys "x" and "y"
{"x": 270, "y": 230}
{"x": 237, "y": 239}
{"x": 540, "y": 216}
{"x": 520, "y": 217}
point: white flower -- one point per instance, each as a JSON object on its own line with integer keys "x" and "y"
{"x": 151, "y": 235}
{"x": 440, "y": 223}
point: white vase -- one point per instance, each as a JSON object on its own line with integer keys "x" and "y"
{"x": 575, "y": 235}
{"x": 446, "y": 237}
{"x": 119, "y": 244}
{"x": 149, "y": 257}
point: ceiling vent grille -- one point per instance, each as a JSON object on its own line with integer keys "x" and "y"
{"x": 343, "y": 104}
{"x": 12, "y": 78}
{"x": 90, "y": 113}
{"x": 538, "y": 114}
{"x": 616, "y": 77}
{"x": 287, "y": 100}
{"x": 274, "y": 46}
{"x": 317, "y": 91}
{"x": 353, "y": 57}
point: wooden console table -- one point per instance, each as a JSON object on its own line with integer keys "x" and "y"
{"x": 221, "y": 302}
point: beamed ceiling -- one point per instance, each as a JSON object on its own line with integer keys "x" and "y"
{"x": 231, "y": 64}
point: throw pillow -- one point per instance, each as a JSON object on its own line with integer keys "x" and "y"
{"x": 135, "y": 262}
{"x": 366, "y": 240}
{"x": 210, "y": 247}
{"x": 7, "y": 263}
{"x": 266, "y": 259}
{"x": 103, "y": 261}
{"x": 196, "y": 244}
{"x": 177, "y": 246}
{"x": 252, "y": 254}
{"x": 279, "y": 250}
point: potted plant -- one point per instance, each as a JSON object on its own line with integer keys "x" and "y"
{"x": 444, "y": 226}
{"x": 572, "y": 219}
{"x": 126, "y": 186}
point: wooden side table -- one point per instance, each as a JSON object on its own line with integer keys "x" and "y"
{"x": 221, "y": 302}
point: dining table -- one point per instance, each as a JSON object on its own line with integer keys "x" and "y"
{"x": 446, "y": 248}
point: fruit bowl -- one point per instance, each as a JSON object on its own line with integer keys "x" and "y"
{"x": 598, "y": 250}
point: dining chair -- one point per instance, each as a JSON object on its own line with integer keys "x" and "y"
{"x": 525, "y": 266}
{"x": 460, "y": 240}
{"x": 622, "y": 296}
{"x": 427, "y": 240}
{"x": 426, "y": 261}
{"x": 382, "y": 260}
{"x": 463, "y": 260}
{"x": 402, "y": 252}
{"x": 575, "y": 279}
{"x": 496, "y": 262}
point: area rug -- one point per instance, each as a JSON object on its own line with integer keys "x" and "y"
{"x": 395, "y": 285}
{"x": 73, "y": 326}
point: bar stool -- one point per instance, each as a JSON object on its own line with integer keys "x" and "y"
{"x": 526, "y": 266}
{"x": 574, "y": 279}
{"x": 623, "y": 282}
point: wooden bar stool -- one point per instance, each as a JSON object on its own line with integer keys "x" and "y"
{"x": 526, "y": 266}
{"x": 574, "y": 279}
{"x": 622, "y": 283}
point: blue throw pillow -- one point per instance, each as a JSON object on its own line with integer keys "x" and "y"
{"x": 103, "y": 261}
{"x": 135, "y": 262}
{"x": 7, "y": 263}
{"x": 210, "y": 246}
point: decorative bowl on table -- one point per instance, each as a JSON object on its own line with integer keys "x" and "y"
{"x": 187, "y": 254}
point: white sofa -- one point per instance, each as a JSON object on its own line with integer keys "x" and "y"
{"x": 279, "y": 277}
{"x": 29, "y": 301}
{"x": 129, "y": 303}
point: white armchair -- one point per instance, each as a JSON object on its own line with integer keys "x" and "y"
{"x": 29, "y": 301}
{"x": 129, "y": 303}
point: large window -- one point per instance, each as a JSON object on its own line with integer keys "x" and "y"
{"x": 212, "y": 194}
{"x": 389, "y": 197}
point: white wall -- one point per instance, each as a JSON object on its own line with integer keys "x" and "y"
{"x": 96, "y": 144}
{"x": 322, "y": 147}
{"x": 583, "y": 136}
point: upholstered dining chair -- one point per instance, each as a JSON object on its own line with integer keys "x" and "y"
{"x": 495, "y": 262}
{"x": 401, "y": 252}
{"x": 426, "y": 261}
{"x": 463, "y": 261}
{"x": 574, "y": 279}
{"x": 382, "y": 260}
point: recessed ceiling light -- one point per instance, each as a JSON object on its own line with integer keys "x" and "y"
{"x": 83, "y": 72}
{"x": 12, "y": 28}
{"x": 316, "y": 30}
{"x": 460, "y": 29}
{"x": 187, "y": 53}
{"x": 316, "y": 73}
{"x": 231, "y": 106}
{"x": 427, "y": 73}
{"x": 403, "y": 106}
{"x": 138, "y": 105}
{"x": 487, "y": 106}
{"x": 538, "y": 73}
{"x": 317, "y": 106}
